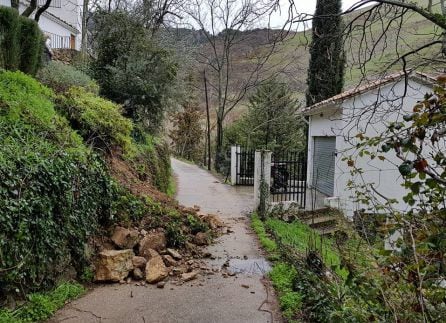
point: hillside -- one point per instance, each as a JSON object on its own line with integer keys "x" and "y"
{"x": 290, "y": 56}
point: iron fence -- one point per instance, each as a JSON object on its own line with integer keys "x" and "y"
{"x": 289, "y": 177}
{"x": 245, "y": 166}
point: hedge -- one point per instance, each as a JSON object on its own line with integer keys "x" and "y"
{"x": 9, "y": 42}
{"x": 54, "y": 192}
{"x": 31, "y": 46}
{"x": 21, "y": 42}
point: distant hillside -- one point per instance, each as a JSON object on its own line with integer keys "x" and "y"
{"x": 291, "y": 55}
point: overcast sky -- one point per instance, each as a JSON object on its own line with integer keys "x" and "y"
{"x": 302, "y": 6}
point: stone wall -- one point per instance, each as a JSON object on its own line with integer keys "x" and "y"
{"x": 64, "y": 55}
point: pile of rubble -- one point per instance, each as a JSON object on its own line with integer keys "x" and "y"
{"x": 144, "y": 256}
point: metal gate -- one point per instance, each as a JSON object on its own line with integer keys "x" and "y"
{"x": 289, "y": 178}
{"x": 245, "y": 166}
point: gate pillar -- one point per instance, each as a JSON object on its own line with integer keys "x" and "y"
{"x": 262, "y": 173}
{"x": 234, "y": 164}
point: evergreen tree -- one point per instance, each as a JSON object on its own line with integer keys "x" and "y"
{"x": 271, "y": 121}
{"x": 327, "y": 57}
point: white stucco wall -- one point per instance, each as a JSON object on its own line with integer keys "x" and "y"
{"x": 70, "y": 12}
{"x": 353, "y": 117}
{"x": 6, "y": 3}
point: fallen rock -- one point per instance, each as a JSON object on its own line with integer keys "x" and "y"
{"x": 155, "y": 268}
{"x": 138, "y": 274}
{"x": 125, "y": 238}
{"x": 169, "y": 261}
{"x": 114, "y": 265}
{"x": 139, "y": 262}
{"x": 161, "y": 284}
{"x": 179, "y": 270}
{"x": 175, "y": 254}
{"x": 155, "y": 241}
{"x": 213, "y": 221}
{"x": 189, "y": 276}
{"x": 201, "y": 239}
{"x": 190, "y": 246}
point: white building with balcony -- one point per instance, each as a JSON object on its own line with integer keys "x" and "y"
{"x": 61, "y": 22}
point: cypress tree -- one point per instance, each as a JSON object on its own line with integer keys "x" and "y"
{"x": 327, "y": 58}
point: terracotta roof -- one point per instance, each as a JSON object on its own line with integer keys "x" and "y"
{"x": 424, "y": 78}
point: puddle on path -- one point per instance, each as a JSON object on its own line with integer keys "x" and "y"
{"x": 258, "y": 266}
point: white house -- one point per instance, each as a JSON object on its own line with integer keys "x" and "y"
{"x": 61, "y": 22}
{"x": 333, "y": 125}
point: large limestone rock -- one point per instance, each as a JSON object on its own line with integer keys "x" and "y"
{"x": 155, "y": 268}
{"x": 156, "y": 241}
{"x": 138, "y": 274}
{"x": 189, "y": 276}
{"x": 213, "y": 221}
{"x": 139, "y": 262}
{"x": 201, "y": 239}
{"x": 169, "y": 261}
{"x": 175, "y": 254}
{"x": 114, "y": 265}
{"x": 125, "y": 238}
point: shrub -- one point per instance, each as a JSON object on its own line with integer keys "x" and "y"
{"x": 23, "y": 99}
{"x": 99, "y": 121}
{"x": 21, "y": 42}
{"x": 60, "y": 77}
{"x": 152, "y": 162}
{"x": 9, "y": 42}
{"x": 31, "y": 45}
{"x": 132, "y": 69}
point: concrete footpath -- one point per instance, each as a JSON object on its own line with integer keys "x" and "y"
{"x": 215, "y": 298}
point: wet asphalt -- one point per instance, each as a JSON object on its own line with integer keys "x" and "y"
{"x": 213, "y": 298}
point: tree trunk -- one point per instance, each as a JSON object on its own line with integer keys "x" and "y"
{"x": 30, "y": 9}
{"x": 42, "y": 10}
{"x": 219, "y": 153}
{"x": 443, "y": 12}
{"x": 84, "y": 30}
{"x": 208, "y": 123}
{"x": 15, "y": 4}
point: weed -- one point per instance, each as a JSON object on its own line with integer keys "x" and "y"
{"x": 196, "y": 225}
{"x": 40, "y": 306}
{"x": 283, "y": 276}
{"x": 171, "y": 188}
{"x": 174, "y": 234}
{"x": 258, "y": 227}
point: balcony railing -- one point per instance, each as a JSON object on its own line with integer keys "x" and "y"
{"x": 58, "y": 42}
{"x": 54, "y": 3}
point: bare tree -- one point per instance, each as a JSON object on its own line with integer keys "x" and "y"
{"x": 33, "y": 5}
{"x": 226, "y": 27}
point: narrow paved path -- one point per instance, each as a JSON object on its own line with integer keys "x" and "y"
{"x": 239, "y": 298}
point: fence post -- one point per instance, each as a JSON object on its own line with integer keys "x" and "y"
{"x": 262, "y": 174}
{"x": 233, "y": 165}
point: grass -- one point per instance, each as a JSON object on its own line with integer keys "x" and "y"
{"x": 172, "y": 186}
{"x": 41, "y": 306}
{"x": 282, "y": 275}
{"x": 267, "y": 243}
{"x": 302, "y": 238}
